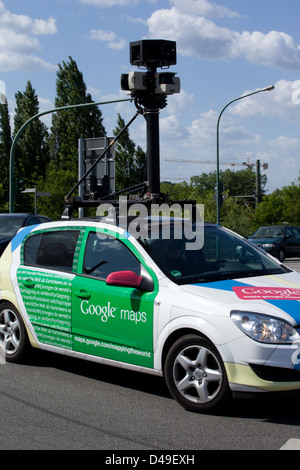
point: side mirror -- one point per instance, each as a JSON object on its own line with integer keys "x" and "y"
{"x": 130, "y": 279}
{"x": 124, "y": 278}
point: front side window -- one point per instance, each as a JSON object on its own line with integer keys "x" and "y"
{"x": 106, "y": 255}
{"x": 296, "y": 232}
{"x": 289, "y": 232}
{"x": 52, "y": 250}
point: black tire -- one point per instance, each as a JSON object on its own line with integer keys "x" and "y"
{"x": 13, "y": 333}
{"x": 281, "y": 255}
{"x": 196, "y": 376}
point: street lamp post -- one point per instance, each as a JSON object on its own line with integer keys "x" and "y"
{"x": 218, "y": 193}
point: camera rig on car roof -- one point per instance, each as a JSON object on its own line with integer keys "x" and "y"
{"x": 149, "y": 90}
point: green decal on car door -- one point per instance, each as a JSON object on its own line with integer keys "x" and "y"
{"x": 121, "y": 317}
{"x": 62, "y": 282}
{"x": 111, "y": 321}
{"x": 47, "y": 299}
{"x": 49, "y": 260}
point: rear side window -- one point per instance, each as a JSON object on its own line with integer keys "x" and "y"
{"x": 52, "y": 250}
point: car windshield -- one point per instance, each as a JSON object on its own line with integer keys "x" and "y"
{"x": 269, "y": 232}
{"x": 10, "y": 224}
{"x": 223, "y": 255}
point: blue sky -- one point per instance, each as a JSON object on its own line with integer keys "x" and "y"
{"x": 225, "y": 49}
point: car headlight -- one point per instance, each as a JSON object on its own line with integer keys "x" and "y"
{"x": 265, "y": 329}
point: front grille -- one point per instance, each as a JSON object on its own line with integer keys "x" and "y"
{"x": 276, "y": 374}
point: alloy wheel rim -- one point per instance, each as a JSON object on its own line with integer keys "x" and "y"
{"x": 197, "y": 374}
{"x": 10, "y": 331}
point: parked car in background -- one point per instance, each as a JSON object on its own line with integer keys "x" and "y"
{"x": 281, "y": 241}
{"x": 11, "y": 223}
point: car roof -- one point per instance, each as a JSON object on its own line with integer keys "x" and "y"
{"x": 278, "y": 225}
{"x": 119, "y": 220}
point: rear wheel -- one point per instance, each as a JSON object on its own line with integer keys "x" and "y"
{"x": 13, "y": 333}
{"x": 281, "y": 255}
{"x": 195, "y": 375}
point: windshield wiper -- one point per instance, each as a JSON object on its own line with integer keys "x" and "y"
{"x": 228, "y": 276}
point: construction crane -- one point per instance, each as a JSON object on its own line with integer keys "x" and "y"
{"x": 168, "y": 178}
{"x": 257, "y": 165}
{"x": 248, "y": 164}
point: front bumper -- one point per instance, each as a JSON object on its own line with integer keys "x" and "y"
{"x": 259, "y": 367}
{"x": 254, "y": 379}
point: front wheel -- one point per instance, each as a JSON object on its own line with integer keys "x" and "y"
{"x": 13, "y": 333}
{"x": 195, "y": 375}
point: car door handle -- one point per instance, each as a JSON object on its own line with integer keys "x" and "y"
{"x": 83, "y": 294}
{"x": 28, "y": 283}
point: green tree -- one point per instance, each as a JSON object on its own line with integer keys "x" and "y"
{"x": 176, "y": 191}
{"x": 242, "y": 182}
{"x": 5, "y": 144}
{"x": 32, "y": 151}
{"x": 201, "y": 184}
{"x": 237, "y": 213}
{"x": 271, "y": 210}
{"x": 291, "y": 195}
{"x": 32, "y": 154}
{"x": 239, "y": 218}
{"x": 70, "y": 125}
{"x": 130, "y": 161}
{"x": 236, "y": 183}
{"x": 58, "y": 183}
{"x": 282, "y": 206}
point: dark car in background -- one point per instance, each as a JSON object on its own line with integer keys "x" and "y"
{"x": 11, "y": 223}
{"x": 281, "y": 241}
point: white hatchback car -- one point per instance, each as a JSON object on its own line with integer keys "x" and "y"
{"x": 216, "y": 321}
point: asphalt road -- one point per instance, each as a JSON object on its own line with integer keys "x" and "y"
{"x": 60, "y": 403}
{"x": 293, "y": 263}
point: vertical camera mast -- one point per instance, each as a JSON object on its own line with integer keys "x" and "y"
{"x": 149, "y": 89}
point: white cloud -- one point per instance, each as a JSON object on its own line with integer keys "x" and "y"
{"x": 109, "y": 3}
{"x": 203, "y": 7}
{"x": 25, "y": 62}
{"x": 271, "y": 49}
{"x": 25, "y": 24}
{"x": 102, "y": 35}
{"x": 178, "y": 102}
{"x": 172, "y": 128}
{"x": 283, "y": 102}
{"x": 120, "y": 44}
{"x": 238, "y": 144}
{"x": 200, "y": 37}
{"x": 18, "y": 41}
{"x": 282, "y": 155}
{"x": 44, "y": 27}
{"x": 108, "y": 36}
{"x": 195, "y": 35}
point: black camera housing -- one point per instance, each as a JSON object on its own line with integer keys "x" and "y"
{"x": 153, "y": 53}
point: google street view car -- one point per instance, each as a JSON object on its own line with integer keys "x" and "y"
{"x": 216, "y": 319}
